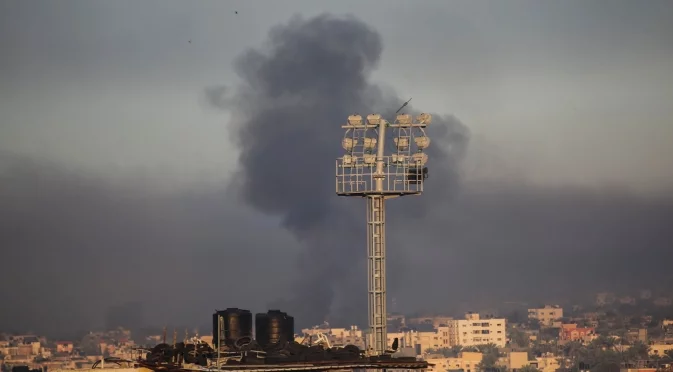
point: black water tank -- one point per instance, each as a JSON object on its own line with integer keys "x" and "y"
{"x": 262, "y": 329}
{"x": 236, "y": 323}
{"x": 289, "y": 328}
{"x": 273, "y": 327}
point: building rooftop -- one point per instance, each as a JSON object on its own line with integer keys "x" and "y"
{"x": 306, "y": 366}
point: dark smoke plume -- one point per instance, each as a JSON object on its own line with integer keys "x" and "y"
{"x": 128, "y": 315}
{"x": 296, "y": 92}
{"x": 80, "y": 253}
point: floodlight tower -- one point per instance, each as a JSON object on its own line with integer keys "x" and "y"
{"x": 367, "y": 171}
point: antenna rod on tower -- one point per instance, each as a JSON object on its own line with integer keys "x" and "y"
{"x": 403, "y": 106}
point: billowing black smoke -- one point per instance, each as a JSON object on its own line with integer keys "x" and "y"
{"x": 129, "y": 315}
{"x": 287, "y": 115}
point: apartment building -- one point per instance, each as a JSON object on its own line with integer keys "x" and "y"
{"x": 547, "y": 316}
{"x": 473, "y": 331}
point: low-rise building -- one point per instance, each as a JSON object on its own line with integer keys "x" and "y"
{"x": 435, "y": 321}
{"x": 405, "y": 339}
{"x": 547, "y": 363}
{"x": 336, "y": 336}
{"x": 466, "y": 361}
{"x": 514, "y": 360}
{"x": 64, "y": 346}
{"x": 422, "y": 341}
{"x": 633, "y": 335}
{"x": 660, "y": 349}
{"x": 570, "y": 332}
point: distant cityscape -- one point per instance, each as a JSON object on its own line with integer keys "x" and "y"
{"x": 632, "y": 332}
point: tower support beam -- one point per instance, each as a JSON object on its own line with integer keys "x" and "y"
{"x": 376, "y": 271}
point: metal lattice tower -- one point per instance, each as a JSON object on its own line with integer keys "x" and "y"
{"x": 377, "y": 177}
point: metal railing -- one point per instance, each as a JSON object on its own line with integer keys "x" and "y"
{"x": 356, "y": 175}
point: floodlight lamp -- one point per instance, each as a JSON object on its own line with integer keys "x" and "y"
{"x": 397, "y": 158}
{"x": 355, "y": 120}
{"x": 374, "y": 119}
{"x": 369, "y": 143}
{"x": 401, "y": 142}
{"x": 404, "y": 119}
{"x": 348, "y": 143}
{"x": 424, "y": 118}
{"x": 369, "y": 158}
{"x": 422, "y": 142}
{"x": 419, "y": 158}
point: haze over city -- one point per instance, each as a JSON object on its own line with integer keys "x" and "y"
{"x": 160, "y": 159}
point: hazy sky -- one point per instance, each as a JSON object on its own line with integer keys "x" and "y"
{"x": 112, "y": 155}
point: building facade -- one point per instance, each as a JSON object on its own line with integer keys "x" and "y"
{"x": 467, "y": 362}
{"x": 570, "y": 332}
{"x": 473, "y": 331}
{"x": 547, "y": 316}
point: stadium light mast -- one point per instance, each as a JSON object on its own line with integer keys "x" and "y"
{"x": 367, "y": 171}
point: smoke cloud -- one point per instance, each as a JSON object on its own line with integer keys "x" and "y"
{"x": 296, "y": 92}
{"x": 79, "y": 250}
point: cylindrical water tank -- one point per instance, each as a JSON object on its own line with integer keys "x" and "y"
{"x": 276, "y": 327}
{"x": 289, "y": 328}
{"x": 235, "y": 323}
{"x": 262, "y": 329}
{"x": 273, "y": 327}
